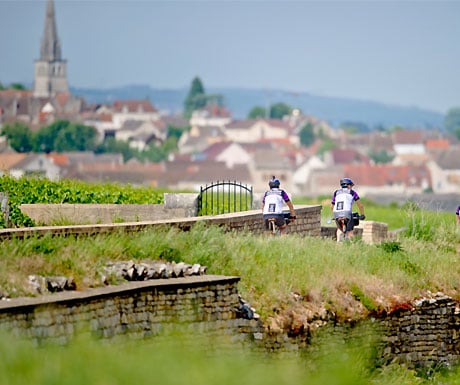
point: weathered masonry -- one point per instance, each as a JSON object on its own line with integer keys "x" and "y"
{"x": 139, "y": 309}
{"x": 425, "y": 333}
{"x": 308, "y": 222}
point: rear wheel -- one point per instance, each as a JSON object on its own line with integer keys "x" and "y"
{"x": 342, "y": 231}
{"x": 273, "y": 227}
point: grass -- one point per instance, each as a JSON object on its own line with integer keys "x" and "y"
{"x": 395, "y": 216}
{"x": 351, "y": 280}
{"x": 174, "y": 359}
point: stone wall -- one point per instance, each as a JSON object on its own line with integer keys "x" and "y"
{"x": 208, "y": 303}
{"x": 51, "y": 214}
{"x": 424, "y": 334}
{"x": 371, "y": 232}
{"x": 308, "y": 222}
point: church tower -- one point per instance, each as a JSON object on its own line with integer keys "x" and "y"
{"x": 50, "y": 70}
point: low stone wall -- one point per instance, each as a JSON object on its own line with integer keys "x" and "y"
{"x": 175, "y": 206}
{"x": 424, "y": 334}
{"x": 208, "y": 303}
{"x": 49, "y": 214}
{"x": 308, "y": 222}
{"x": 371, "y": 232}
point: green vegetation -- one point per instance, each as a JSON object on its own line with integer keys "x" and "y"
{"x": 222, "y": 202}
{"x": 352, "y": 280}
{"x": 307, "y": 134}
{"x": 62, "y": 136}
{"x": 37, "y": 190}
{"x": 197, "y": 98}
{"x": 349, "y": 279}
{"x": 409, "y": 217}
{"x": 452, "y": 121}
{"x": 276, "y": 111}
{"x": 172, "y": 361}
{"x": 59, "y": 136}
{"x": 271, "y": 268}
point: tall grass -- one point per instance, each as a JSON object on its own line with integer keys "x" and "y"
{"x": 349, "y": 279}
{"x": 282, "y": 277}
{"x": 176, "y": 360}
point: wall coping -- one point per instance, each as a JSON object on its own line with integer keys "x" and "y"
{"x": 132, "y": 226}
{"x": 69, "y": 297}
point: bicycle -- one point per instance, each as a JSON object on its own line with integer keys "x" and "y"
{"x": 342, "y": 225}
{"x": 274, "y": 228}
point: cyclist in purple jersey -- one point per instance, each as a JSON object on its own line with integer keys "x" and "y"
{"x": 457, "y": 215}
{"x": 272, "y": 205}
{"x": 342, "y": 204}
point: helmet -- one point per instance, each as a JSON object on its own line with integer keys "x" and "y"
{"x": 274, "y": 183}
{"x": 345, "y": 182}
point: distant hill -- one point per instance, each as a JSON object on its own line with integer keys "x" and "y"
{"x": 240, "y": 101}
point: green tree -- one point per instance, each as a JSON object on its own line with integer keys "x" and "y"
{"x": 12, "y": 86}
{"x": 306, "y": 134}
{"x": 176, "y": 132}
{"x": 257, "y": 112}
{"x": 63, "y": 135}
{"x": 279, "y": 110}
{"x": 381, "y": 156}
{"x": 17, "y": 86}
{"x": 19, "y": 137}
{"x": 326, "y": 145}
{"x": 354, "y": 127}
{"x": 75, "y": 137}
{"x": 155, "y": 154}
{"x": 44, "y": 140}
{"x": 112, "y": 146}
{"x": 196, "y": 97}
{"x": 452, "y": 121}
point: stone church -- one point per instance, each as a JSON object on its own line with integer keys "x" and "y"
{"x": 50, "y": 98}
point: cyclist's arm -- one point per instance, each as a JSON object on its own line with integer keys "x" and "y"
{"x": 291, "y": 208}
{"x": 360, "y": 207}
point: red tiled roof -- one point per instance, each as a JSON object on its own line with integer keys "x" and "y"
{"x": 216, "y": 149}
{"x": 437, "y": 144}
{"x": 62, "y": 98}
{"x": 215, "y": 110}
{"x": 59, "y": 159}
{"x": 9, "y": 159}
{"x": 384, "y": 175}
{"x": 248, "y": 123}
{"x": 347, "y": 156}
{"x": 407, "y": 137}
{"x": 134, "y": 105}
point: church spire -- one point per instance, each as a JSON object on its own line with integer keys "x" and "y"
{"x": 51, "y": 46}
{"x": 50, "y": 68}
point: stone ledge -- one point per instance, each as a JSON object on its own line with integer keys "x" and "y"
{"x": 96, "y": 293}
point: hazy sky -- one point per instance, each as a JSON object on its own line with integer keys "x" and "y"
{"x": 398, "y": 52}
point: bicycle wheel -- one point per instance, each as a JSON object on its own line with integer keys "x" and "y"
{"x": 273, "y": 227}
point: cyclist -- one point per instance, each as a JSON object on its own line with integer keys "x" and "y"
{"x": 272, "y": 205}
{"x": 342, "y": 204}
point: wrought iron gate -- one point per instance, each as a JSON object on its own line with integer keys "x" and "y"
{"x": 223, "y": 197}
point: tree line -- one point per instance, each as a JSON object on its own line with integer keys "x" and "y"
{"x": 63, "y": 135}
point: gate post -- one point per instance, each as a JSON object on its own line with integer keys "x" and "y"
{"x": 5, "y": 208}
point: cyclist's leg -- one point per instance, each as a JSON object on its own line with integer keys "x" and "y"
{"x": 350, "y": 227}
{"x": 281, "y": 223}
{"x": 267, "y": 224}
{"x": 339, "y": 231}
